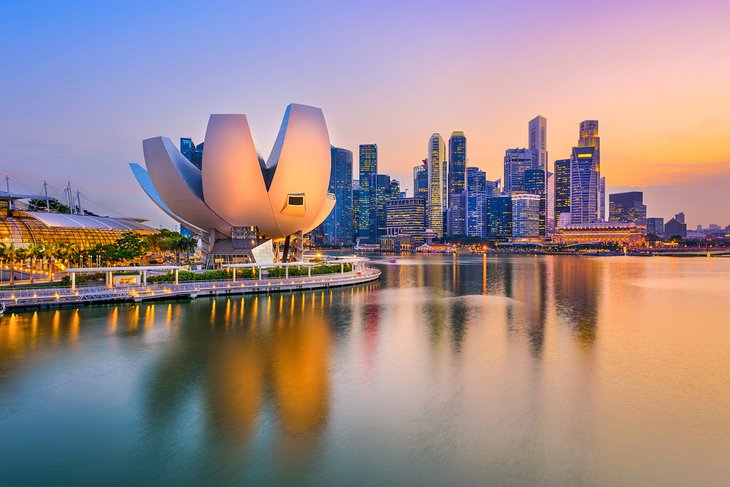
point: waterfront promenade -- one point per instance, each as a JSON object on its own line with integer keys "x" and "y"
{"x": 44, "y": 298}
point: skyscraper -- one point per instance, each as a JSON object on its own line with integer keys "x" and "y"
{"x": 192, "y": 152}
{"x": 338, "y": 226}
{"x": 584, "y": 186}
{"x": 588, "y": 137}
{"x": 627, "y": 208}
{"x": 383, "y": 196}
{"x": 436, "y": 171}
{"x": 420, "y": 180}
{"x": 655, "y": 226}
{"x": 525, "y": 217}
{"x": 476, "y": 202}
{"x": 535, "y": 184}
{"x": 368, "y": 168}
{"x": 457, "y": 183}
{"x": 537, "y": 140}
{"x": 355, "y": 209}
{"x": 499, "y": 211}
{"x": 562, "y": 187}
{"x": 516, "y": 162}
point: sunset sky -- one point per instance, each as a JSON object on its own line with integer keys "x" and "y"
{"x": 84, "y": 82}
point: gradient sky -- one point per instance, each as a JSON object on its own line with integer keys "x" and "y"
{"x": 84, "y": 82}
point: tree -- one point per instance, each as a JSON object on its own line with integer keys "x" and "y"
{"x": 130, "y": 246}
{"x": 11, "y": 253}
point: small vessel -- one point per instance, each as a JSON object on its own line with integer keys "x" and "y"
{"x": 2, "y": 308}
{"x": 391, "y": 261}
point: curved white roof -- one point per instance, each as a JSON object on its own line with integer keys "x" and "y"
{"x": 86, "y": 221}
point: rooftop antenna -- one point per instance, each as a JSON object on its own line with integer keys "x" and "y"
{"x": 45, "y": 191}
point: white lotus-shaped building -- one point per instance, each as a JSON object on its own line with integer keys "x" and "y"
{"x": 237, "y": 200}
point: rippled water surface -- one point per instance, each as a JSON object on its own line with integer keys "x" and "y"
{"x": 449, "y": 371}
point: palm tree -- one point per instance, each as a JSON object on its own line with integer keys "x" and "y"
{"x": 51, "y": 251}
{"x": 11, "y": 253}
{"x": 34, "y": 252}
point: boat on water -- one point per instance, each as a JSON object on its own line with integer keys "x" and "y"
{"x": 2, "y": 309}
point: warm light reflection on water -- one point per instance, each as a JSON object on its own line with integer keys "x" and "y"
{"x": 459, "y": 370}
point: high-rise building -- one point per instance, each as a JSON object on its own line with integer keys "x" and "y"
{"x": 476, "y": 202}
{"x": 588, "y": 137}
{"x": 457, "y": 183}
{"x": 383, "y": 196}
{"x": 337, "y": 227}
{"x": 537, "y": 140}
{"x": 436, "y": 190}
{"x": 562, "y": 187}
{"x": 680, "y": 217}
{"x": 192, "y": 152}
{"x": 516, "y": 162}
{"x": 525, "y": 217}
{"x": 499, "y": 216}
{"x": 628, "y": 207}
{"x": 406, "y": 216}
{"x": 420, "y": 180}
{"x": 584, "y": 186}
{"x": 355, "y": 208}
{"x": 655, "y": 226}
{"x": 535, "y": 184}
{"x": 368, "y": 169}
{"x": 456, "y": 216}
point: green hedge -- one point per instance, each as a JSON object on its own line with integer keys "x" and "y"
{"x": 216, "y": 275}
{"x": 303, "y": 271}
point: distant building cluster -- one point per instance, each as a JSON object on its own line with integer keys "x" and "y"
{"x": 453, "y": 200}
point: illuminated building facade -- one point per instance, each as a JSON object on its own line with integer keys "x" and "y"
{"x": 420, "y": 180}
{"x": 603, "y": 233}
{"x": 525, "y": 217}
{"x": 368, "y": 169}
{"x": 499, "y": 216}
{"x": 405, "y": 217}
{"x": 516, "y": 162}
{"x": 476, "y": 202}
{"x": 655, "y": 226}
{"x": 437, "y": 192}
{"x": 584, "y": 186}
{"x": 457, "y": 184}
{"x": 627, "y": 207}
{"x": 535, "y": 184}
{"x": 337, "y": 228}
{"x": 588, "y": 136}
{"x": 562, "y": 187}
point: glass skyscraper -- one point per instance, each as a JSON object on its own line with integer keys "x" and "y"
{"x": 537, "y": 140}
{"x": 368, "y": 169}
{"x": 525, "y": 217}
{"x": 338, "y": 227}
{"x": 420, "y": 180}
{"x": 476, "y": 202}
{"x": 562, "y": 188}
{"x": 516, "y": 162}
{"x": 457, "y": 183}
{"x": 584, "y": 186}
{"x": 499, "y": 211}
{"x": 588, "y": 137}
{"x": 535, "y": 184}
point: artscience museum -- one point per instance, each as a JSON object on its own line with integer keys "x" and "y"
{"x": 242, "y": 207}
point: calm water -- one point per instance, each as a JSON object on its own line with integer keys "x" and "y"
{"x": 473, "y": 371}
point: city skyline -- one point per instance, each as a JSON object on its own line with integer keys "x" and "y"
{"x": 666, "y": 139}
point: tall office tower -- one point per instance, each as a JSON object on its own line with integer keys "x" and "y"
{"x": 655, "y": 226}
{"x": 457, "y": 183}
{"x": 588, "y": 137}
{"x": 420, "y": 180}
{"x": 535, "y": 184}
{"x": 382, "y": 195}
{"x": 525, "y": 217}
{"x": 627, "y": 208}
{"x": 394, "y": 189}
{"x": 337, "y": 227}
{"x": 456, "y": 216}
{"x": 436, "y": 163}
{"x": 476, "y": 202}
{"x": 499, "y": 216}
{"x": 355, "y": 209}
{"x": 192, "y": 152}
{"x": 537, "y": 135}
{"x": 368, "y": 169}
{"x": 562, "y": 188}
{"x": 584, "y": 186}
{"x": 516, "y": 162}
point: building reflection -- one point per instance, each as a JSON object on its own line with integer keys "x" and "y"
{"x": 577, "y": 283}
